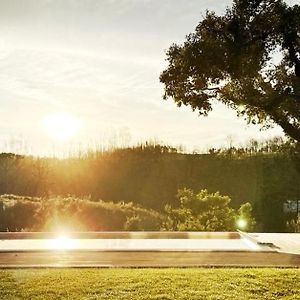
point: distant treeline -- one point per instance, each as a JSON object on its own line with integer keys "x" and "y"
{"x": 264, "y": 174}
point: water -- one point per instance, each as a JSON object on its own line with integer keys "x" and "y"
{"x": 128, "y": 244}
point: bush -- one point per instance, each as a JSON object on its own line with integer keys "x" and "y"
{"x": 56, "y": 214}
{"x": 205, "y": 211}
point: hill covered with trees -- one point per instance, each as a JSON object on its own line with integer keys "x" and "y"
{"x": 265, "y": 175}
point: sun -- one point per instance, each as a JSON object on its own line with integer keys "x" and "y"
{"x": 61, "y": 125}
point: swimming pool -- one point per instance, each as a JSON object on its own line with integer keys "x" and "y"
{"x": 138, "y": 242}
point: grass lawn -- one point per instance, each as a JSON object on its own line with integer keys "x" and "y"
{"x": 150, "y": 284}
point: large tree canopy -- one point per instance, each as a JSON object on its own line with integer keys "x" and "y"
{"x": 248, "y": 58}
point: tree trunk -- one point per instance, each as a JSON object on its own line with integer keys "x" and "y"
{"x": 289, "y": 129}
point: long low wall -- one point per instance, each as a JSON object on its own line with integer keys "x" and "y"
{"x": 121, "y": 235}
{"x": 147, "y": 259}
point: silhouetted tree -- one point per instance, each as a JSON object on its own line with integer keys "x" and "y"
{"x": 233, "y": 59}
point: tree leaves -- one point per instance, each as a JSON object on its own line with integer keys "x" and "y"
{"x": 204, "y": 211}
{"x": 230, "y": 58}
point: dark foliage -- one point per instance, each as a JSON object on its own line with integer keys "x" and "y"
{"x": 230, "y": 58}
{"x": 62, "y": 214}
{"x": 263, "y": 174}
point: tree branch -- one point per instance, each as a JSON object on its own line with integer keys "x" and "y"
{"x": 288, "y": 128}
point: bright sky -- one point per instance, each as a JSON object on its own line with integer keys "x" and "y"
{"x": 98, "y": 63}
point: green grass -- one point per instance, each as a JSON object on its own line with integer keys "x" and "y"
{"x": 150, "y": 284}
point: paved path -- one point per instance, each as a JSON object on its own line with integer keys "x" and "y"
{"x": 283, "y": 242}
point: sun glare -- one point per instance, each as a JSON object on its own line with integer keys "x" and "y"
{"x": 241, "y": 223}
{"x": 61, "y": 243}
{"x": 61, "y": 126}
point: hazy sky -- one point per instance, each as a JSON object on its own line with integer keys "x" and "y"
{"x": 100, "y": 60}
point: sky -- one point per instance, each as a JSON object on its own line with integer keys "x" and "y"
{"x": 98, "y": 62}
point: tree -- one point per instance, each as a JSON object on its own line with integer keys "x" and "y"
{"x": 204, "y": 211}
{"x": 248, "y": 59}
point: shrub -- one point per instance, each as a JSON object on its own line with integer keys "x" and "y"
{"x": 206, "y": 211}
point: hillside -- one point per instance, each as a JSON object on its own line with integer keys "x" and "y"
{"x": 151, "y": 176}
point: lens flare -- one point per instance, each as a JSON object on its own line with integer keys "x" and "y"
{"x": 61, "y": 243}
{"x": 241, "y": 223}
